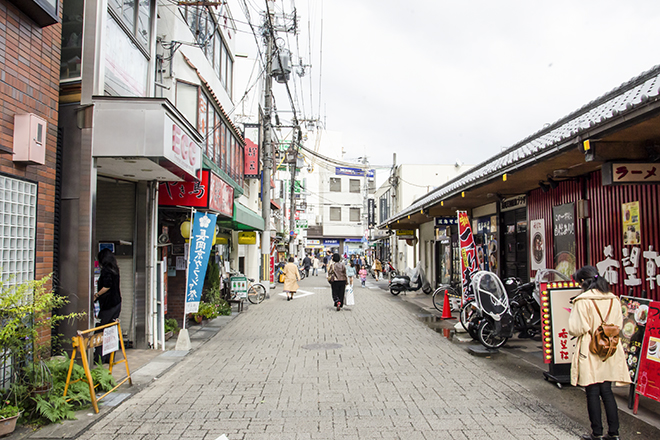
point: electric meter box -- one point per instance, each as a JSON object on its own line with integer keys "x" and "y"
{"x": 30, "y": 139}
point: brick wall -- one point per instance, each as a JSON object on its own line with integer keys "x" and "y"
{"x": 29, "y": 83}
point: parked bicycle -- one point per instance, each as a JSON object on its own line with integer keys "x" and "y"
{"x": 256, "y": 292}
{"x": 453, "y": 295}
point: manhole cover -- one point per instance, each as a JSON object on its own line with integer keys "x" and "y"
{"x": 326, "y": 346}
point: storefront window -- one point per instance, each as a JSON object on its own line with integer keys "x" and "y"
{"x": 126, "y": 66}
{"x": 72, "y": 25}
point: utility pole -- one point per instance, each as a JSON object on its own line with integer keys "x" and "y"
{"x": 365, "y": 201}
{"x": 267, "y": 157}
{"x": 293, "y": 164}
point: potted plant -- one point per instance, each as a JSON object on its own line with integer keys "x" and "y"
{"x": 8, "y": 415}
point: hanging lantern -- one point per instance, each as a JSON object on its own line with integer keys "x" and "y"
{"x": 185, "y": 229}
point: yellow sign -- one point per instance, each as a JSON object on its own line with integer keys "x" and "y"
{"x": 631, "y": 226}
{"x": 247, "y": 237}
{"x": 405, "y": 232}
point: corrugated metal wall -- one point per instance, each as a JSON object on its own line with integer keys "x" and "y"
{"x": 604, "y": 226}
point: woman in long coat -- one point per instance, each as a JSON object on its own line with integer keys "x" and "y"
{"x": 587, "y": 369}
{"x": 291, "y": 278}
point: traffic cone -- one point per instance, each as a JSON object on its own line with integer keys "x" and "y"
{"x": 446, "y": 308}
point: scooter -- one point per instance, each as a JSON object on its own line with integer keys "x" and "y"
{"x": 492, "y": 320}
{"x": 410, "y": 283}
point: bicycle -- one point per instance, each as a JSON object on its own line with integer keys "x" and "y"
{"x": 256, "y": 292}
{"x": 439, "y": 298}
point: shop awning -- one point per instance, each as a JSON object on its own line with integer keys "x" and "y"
{"x": 244, "y": 219}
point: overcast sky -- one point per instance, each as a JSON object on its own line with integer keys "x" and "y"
{"x": 438, "y": 81}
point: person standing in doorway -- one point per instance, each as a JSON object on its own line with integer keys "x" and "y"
{"x": 307, "y": 264}
{"x": 337, "y": 278}
{"x": 108, "y": 295}
{"x": 596, "y": 305}
{"x": 291, "y": 278}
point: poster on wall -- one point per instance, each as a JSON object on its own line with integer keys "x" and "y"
{"x": 484, "y": 236}
{"x": 631, "y": 226}
{"x": 537, "y": 243}
{"x": 648, "y": 375}
{"x": 563, "y": 231}
{"x": 635, "y": 313}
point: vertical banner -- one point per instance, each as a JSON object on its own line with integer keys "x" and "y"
{"x": 371, "y": 213}
{"x": 469, "y": 259}
{"x": 563, "y": 217}
{"x": 251, "y": 159}
{"x": 201, "y": 241}
{"x": 648, "y": 374}
{"x": 537, "y": 244}
{"x": 631, "y": 226}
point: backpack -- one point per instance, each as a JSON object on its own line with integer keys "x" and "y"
{"x": 606, "y": 336}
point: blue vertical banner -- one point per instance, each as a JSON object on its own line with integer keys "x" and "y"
{"x": 201, "y": 241}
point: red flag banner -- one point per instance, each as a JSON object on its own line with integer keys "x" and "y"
{"x": 469, "y": 258}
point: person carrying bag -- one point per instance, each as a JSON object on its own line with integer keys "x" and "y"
{"x": 598, "y": 359}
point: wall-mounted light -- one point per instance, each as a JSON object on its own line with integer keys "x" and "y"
{"x": 544, "y": 186}
{"x": 553, "y": 183}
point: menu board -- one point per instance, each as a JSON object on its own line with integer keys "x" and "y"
{"x": 648, "y": 375}
{"x": 635, "y": 313}
{"x": 563, "y": 345}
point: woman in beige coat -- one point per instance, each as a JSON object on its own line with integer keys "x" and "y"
{"x": 291, "y": 278}
{"x": 588, "y": 369}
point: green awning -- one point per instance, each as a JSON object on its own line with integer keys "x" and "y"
{"x": 244, "y": 219}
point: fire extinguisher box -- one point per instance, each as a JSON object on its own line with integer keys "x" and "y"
{"x": 30, "y": 139}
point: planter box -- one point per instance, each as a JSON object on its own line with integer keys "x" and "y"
{"x": 8, "y": 425}
{"x": 168, "y": 335}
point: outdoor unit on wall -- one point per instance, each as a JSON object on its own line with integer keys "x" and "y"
{"x": 30, "y": 139}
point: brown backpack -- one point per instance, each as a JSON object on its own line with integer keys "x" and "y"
{"x": 606, "y": 336}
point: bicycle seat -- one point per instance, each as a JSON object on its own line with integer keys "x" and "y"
{"x": 251, "y": 280}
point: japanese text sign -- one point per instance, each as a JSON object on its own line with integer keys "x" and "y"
{"x": 563, "y": 226}
{"x": 251, "y": 159}
{"x": 622, "y": 173}
{"x": 201, "y": 241}
{"x": 469, "y": 259}
{"x": 211, "y": 193}
{"x": 563, "y": 346}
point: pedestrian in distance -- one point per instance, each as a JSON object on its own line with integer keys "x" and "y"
{"x": 363, "y": 275}
{"x": 594, "y": 306}
{"x": 291, "y": 278}
{"x": 108, "y": 295}
{"x": 350, "y": 272}
{"x": 337, "y": 279}
{"x": 325, "y": 263}
{"x": 378, "y": 268}
{"x": 307, "y": 264}
{"x": 315, "y": 266}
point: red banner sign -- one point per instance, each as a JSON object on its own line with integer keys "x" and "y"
{"x": 648, "y": 373}
{"x": 211, "y": 193}
{"x": 469, "y": 258}
{"x": 251, "y": 159}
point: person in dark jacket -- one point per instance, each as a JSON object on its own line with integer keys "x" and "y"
{"x": 307, "y": 264}
{"x": 108, "y": 295}
{"x": 337, "y": 278}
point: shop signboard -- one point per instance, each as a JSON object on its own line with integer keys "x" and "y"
{"x": 251, "y": 159}
{"x": 184, "y": 152}
{"x": 239, "y": 286}
{"x": 558, "y": 345}
{"x": 441, "y": 222}
{"x": 331, "y": 242}
{"x": 563, "y": 226}
{"x": 469, "y": 258}
{"x": 648, "y": 374}
{"x": 358, "y": 172}
{"x": 537, "y": 243}
{"x": 201, "y": 241}
{"x": 627, "y": 173}
{"x": 210, "y": 193}
{"x": 635, "y": 312}
{"x": 371, "y": 213}
{"x": 405, "y": 234}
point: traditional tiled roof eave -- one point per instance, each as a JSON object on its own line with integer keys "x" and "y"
{"x": 547, "y": 142}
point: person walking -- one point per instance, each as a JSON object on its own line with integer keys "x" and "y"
{"x": 291, "y": 278}
{"x": 337, "y": 278}
{"x": 350, "y": 273}
{"x": 378, "y": 268}
{"x": 307, "y": 264}
{"x": 363, "y": 275}
{"x": 325, "y": 263}
{"x": 315, "y": 266}
{"x": 595, "y": 305}
{"x": 108, "y": 295}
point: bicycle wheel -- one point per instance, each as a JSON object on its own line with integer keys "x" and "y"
{"x": 256, "y": 293}
{"x": 467, "y": 311}
{"x": 488, "y": 337}
{"x": 439, "y": 298}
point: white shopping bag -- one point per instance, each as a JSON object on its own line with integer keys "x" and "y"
{"x": 349, "y": 296}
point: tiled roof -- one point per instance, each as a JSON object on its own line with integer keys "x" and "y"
{"x": 556, "y": 137}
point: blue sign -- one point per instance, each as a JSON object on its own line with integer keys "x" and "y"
{"x": 359, "y": 172}
{"x": 201, "y": 241}
{"x": 353, "y": 240}
{"x": 331, "y": 242}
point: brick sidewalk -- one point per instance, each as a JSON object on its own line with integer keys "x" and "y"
{"x": 301, "y": 370}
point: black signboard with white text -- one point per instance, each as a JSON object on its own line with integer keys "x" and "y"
{"x": 563, "y": 231}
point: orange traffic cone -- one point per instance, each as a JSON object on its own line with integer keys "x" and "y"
{"x": 446, "y": 308}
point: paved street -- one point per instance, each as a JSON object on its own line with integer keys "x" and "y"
{"x": 302, "y": 370}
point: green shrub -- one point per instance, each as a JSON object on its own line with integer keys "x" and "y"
{"x": 171, "y": 325}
